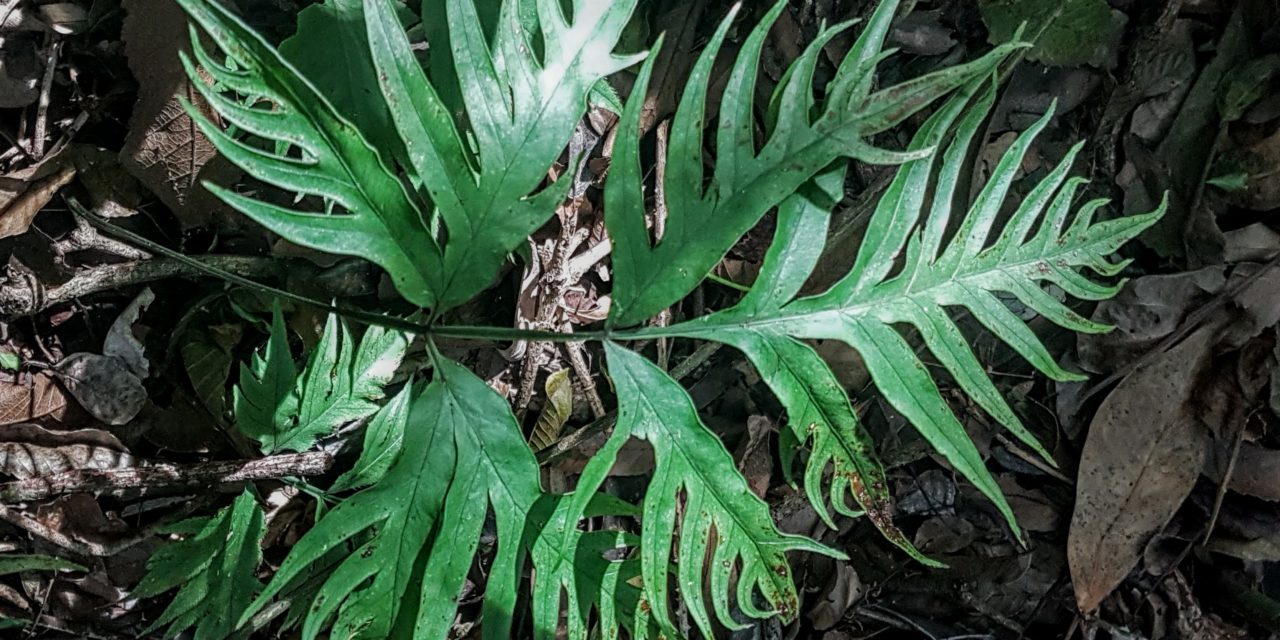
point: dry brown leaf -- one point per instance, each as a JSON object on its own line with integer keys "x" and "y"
{"x": 29, "y": 450}
{"x": 844, "y": 589}
{"x": 163, "y": 148}
{"x": 1141, "y": 459}
{"x": 28, "y": 398}
{"x": 104, "y": 386}
{"x": 755, "y": 460}
{"x": 1256, "y": 471}
{"x": 24, "y": 193}
{"x": 1148, "y": 309}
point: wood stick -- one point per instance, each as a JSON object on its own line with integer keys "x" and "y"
{"x": 165, "y": 475}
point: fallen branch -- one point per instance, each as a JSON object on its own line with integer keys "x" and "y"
{"x": 25, "y": 296}
{"x": 167, "y": 476}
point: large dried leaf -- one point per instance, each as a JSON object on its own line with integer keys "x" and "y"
{"x": 27, "y": 398}
{"x": 1141, "y": 459}
{"x": 163, "y": 147}
{"x": 103, "y": 385}
{"x": 23, "y": 193}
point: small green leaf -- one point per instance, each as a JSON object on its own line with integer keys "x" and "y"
{"x": 19, "y": 562}
{"x": 1230, "y": 182}
{"x": 1245, "y": 84}
{"x": 383, "y": 438}
{"x": 10, "y": 361}
{"x": 287, "y": 410}
{"x": 263, "y": 398}
{"x": 213, "y": 572}
{"x": 693, "y": 467}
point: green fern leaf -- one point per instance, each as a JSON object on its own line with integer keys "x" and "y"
{"x": 325, "y": 156}
{"x": 415, "y": 532}
{"x": 286, "y": 410}
{"x": 344, "y": 74}
{"x": 520, "y": 109}
{"x": 692, "y": 463}
{"x": 20, "y": 562}
{"x": 967, "y": 272}
{"x": 264, "y": 399}
{"x": 702, "y": 224}
{"x": 587, "y": 570}
{"x": 213, "y": 571}
{"x": 383, "y": 438}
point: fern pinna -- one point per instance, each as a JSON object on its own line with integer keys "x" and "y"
{"x": 476, "y": 130}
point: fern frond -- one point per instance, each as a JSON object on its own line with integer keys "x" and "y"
{"x": 284, "y": 409}
{"x": 317, "y": 152}
{"x": 415, "y": 532}
{"x": 586, "y": 570}
{"x": 968, "y": 272}
{"x": 702, "y": 224}
{"x": 482, "y": 182}
{"x": 696, "y": 485}
{"x": 212, "y": 570}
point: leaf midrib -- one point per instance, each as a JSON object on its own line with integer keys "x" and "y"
{"x": 876, "y": 298}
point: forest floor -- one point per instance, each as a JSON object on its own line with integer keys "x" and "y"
{"x": 118, "y": 363}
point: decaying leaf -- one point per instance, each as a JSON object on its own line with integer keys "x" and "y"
{"x": 23, "y": 461}
{"x": 1064, "y": 32}
{"x": 103, "y": 385}
{"x": 109, "y": 386}
{"x": 163, "y": 148}
{"x": 754, "y": 456}
{"x": 1141, "y": 459}
{"x": 1144, "y": 312}
{"x": 844, "y": 588}
{"x": 25, "y": 398}
{"x": 24, "y": 193}
{"x": 121, "y": 343}
{"x": 29, "y": 451}
{"x": 555, "y": 413}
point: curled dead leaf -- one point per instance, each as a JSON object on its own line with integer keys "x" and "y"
{"x": 29, "y": 451}
{"x": 555, "y": 413}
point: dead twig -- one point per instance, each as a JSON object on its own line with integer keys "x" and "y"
{"x": 167, "y": 476}
{"x": 41, "y": 132}
{"x": 23, "y": 297}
